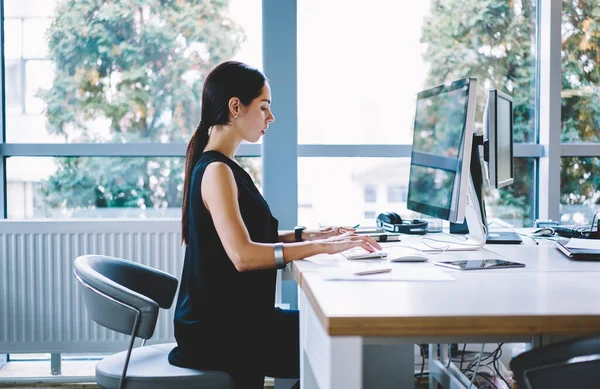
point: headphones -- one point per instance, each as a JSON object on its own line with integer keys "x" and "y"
{"x": 392, "y": 222}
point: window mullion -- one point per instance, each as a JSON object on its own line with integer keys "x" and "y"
{"x": 549, "y": 27}
{"x": 109, "y": 150}
{"x": 580, "y": 150}
{"x": 522, "y": 150}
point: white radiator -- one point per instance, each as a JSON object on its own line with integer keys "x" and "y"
{"x": 40, "y": 304}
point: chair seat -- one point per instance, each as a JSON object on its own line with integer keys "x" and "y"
{"x": 149, "y": 368}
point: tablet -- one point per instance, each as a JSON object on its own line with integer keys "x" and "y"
{"x": 479, "y": 264}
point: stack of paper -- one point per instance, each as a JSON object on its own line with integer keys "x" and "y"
{"x": 581, "y": 249}
{"x": 586, "y": 244}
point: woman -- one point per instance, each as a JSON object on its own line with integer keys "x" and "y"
{"x": 225, "y": 317}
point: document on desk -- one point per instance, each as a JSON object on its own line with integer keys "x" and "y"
{"x": 586, "y": 244}
{"x": 406, "y": 273}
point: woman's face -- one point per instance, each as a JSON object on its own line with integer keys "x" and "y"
{"x": 255, "y": 118}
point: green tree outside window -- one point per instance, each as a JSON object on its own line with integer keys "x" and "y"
{"x": 140, "y": 65}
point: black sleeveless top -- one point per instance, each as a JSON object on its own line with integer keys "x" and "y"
{"x": 223, "y": 315}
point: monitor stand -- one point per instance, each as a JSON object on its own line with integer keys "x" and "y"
{"x": 503, "y": 238}
{"x": 477, "y": 180}
{"x": 475, "y": 239}
{"x": 494, "y": 237}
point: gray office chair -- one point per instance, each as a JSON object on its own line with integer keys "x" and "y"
{"x": 125, "y": 297}
{"x": 570, "y": 364}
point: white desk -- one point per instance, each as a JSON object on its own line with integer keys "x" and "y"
{"x": 361, "y": 334}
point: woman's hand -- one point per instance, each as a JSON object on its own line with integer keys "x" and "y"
{"x": 348, "y": 240}
{"x": 326, "y": 232}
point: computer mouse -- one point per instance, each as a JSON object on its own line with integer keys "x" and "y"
{"x": 408, "y": 258}
{"x": 544, "y": 231}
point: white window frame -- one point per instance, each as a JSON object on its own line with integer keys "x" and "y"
{"x": 280, "y": 150}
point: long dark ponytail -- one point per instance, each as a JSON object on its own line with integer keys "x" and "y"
{"x": 227, "y": 80}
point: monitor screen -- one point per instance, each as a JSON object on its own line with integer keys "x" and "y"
{"x": 437, "y": 152}
{"x": 504, "y": 142}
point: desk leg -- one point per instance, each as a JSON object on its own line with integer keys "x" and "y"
{"x": 327, "y": 362}
{"x": 332, "y": 362}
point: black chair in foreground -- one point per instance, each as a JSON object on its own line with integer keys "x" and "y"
{"x": 570, "y": 364}
{"x": 125, "y": 297}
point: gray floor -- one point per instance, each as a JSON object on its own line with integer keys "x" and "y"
{"x": 42, "y": 386}
{"x": 72, "y": 386}
{"x": 41, "y": 371}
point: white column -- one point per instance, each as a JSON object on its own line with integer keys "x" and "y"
{"x": 3, "y": 205}
{"x": 550, "y": 73}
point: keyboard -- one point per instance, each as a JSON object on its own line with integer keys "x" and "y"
{"x": 360, "y": 253}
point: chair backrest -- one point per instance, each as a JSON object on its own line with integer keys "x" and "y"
{"x": 570, "y": 364}
{"x": 116, "y": 292}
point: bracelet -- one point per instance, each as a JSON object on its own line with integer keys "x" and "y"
{"x": 279, "y": 262}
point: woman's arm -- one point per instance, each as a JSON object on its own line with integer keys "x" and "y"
{"x": 323, "y": 233}
{"x": 287, "y": 236}
{"x": 220, "y": 195}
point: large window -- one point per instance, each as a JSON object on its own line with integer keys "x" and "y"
{"x": 357, "y": 84}
{"x": 76, "y": 81}
{"x": 580, "y": 114}
{"x": 119, "y": 72}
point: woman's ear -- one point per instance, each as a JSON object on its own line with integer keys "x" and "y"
{"x": 234, "y": 106}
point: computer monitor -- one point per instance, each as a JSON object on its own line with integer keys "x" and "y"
{"x": 498, "y": 153}
{"x": 498, "y": 128}
{"x": 440, "y": 182}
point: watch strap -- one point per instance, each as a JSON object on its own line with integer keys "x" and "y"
{"x": 298, "y": 233}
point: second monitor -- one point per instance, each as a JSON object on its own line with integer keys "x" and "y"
{"x": 498, "y": 153}
{"x": 446, "y": 177}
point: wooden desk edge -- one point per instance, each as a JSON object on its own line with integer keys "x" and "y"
{"x": 436, "y": 326}
{"x": 296, "y": 273}
{"x": 460, "y": 326}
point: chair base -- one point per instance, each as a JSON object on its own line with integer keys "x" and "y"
{"x": 149, "y": 368}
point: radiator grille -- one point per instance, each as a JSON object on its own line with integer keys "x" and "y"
{"x": 40, "y": 305}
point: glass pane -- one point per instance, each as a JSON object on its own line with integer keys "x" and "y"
{"x": 30, "y": 8}
{"x": 580, "y": 71}
{"x": 579, "y": 189}
{"x": 12, "y": 46}
{"x": 94, "y": 187}
{"x": 125, "y": 74}
{"x": 356, "y": 190}
{"x": 357, "y": 82}
{"x": 35, "y": 44}
{"x": 515, "y": 203}
{"x": 14, "y": 87}
{"x": 36, "y": 79}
